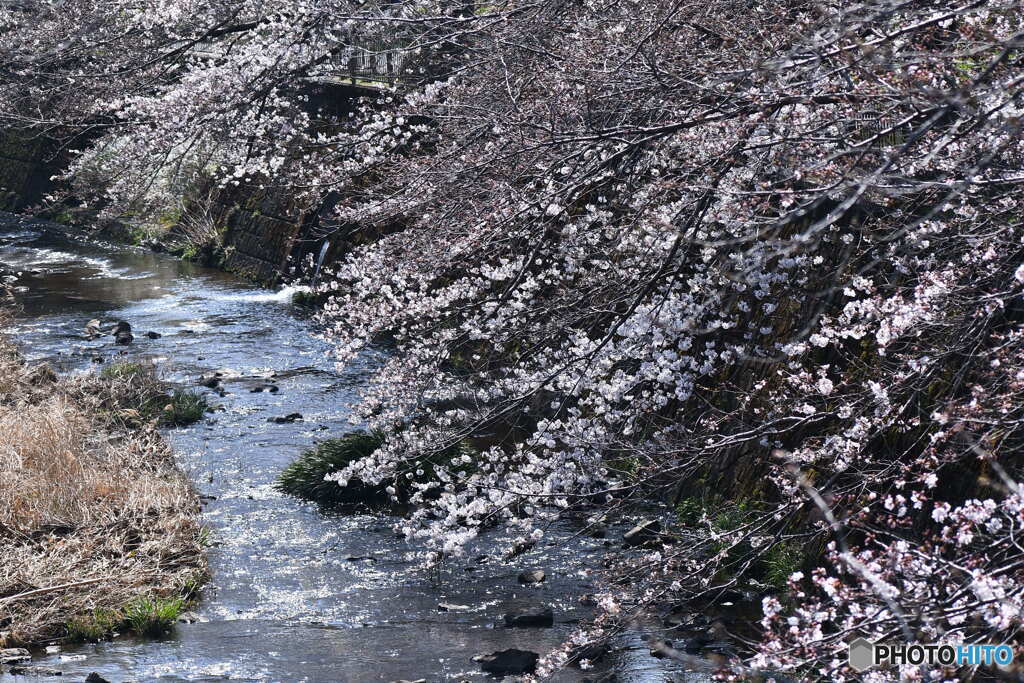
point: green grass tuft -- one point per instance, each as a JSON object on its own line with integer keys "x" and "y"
{"x": 193, "y": 586}
{"x": 145, "y": 616}
{"x": 183, "y": 408}
{"x": 780, "y": 562}
{"x": 693, "y": 510}
{"x": 98, "y": 626}
{"x": 205, "y": 537}
{"x": 153, "y": 616}
{"x": 125, "y": 370}
{"x": 304, "y": 478}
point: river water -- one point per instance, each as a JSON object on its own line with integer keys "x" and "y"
{"x": 296, "y": 594}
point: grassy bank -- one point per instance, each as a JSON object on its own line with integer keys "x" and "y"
{"x": 100, "y": 529}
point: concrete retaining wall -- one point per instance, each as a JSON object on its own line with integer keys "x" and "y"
{"x": 261, "y": 227}
{"x": 26, "y": 164}
{"x": 265, "y": 232}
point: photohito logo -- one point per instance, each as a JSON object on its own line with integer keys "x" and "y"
{"x": 864, "y": 654}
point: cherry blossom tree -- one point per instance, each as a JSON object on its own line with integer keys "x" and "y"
{"x": 159, "y": 97}
{"x": 774, "y": 256}
{"x": 638, "y": 251}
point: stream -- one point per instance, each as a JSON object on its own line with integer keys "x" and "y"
{"x": 297, "y": 594}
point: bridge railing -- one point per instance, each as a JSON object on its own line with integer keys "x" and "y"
{"x": 374, "y": 60}
{"x": 368, "y": 62}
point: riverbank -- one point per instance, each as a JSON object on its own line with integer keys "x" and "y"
{"x": 100, "y": 527}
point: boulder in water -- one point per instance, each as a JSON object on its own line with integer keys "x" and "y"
{"x": 531, "y": 576}
{"x": 661, "y": 648}
{"x": 451, "y": 607}
{"x": 153, "y": 335}
{"x": 92, "y": 329}
{"x": 123, "y": 333}
{"x": 644, "y": 533}
{"x": 293, "y": 417}
{"x": 530, "y": 617}
{"x": 34, "y": 671}
{"x": 510, "y": 662}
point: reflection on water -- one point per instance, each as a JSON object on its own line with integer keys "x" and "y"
{"x": 297, "y": 595}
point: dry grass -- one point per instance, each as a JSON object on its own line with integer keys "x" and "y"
{"x": 89, "y": 496}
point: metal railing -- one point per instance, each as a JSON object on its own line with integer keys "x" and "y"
{"x": 881, "y": 128}
{"x": 374, "y": 61}
{"x": 366, "y": 62}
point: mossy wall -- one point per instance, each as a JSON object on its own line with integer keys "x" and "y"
{"x": 261, "y": 226}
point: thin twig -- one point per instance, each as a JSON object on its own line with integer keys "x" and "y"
{"x": 51, "y": 589}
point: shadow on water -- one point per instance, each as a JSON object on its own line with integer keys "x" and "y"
{"x": 296, "y": 595}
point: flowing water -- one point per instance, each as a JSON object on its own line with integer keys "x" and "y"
{"x": 297, "y": 594}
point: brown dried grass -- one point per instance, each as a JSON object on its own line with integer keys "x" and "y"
{"x": 89, "y": 492}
